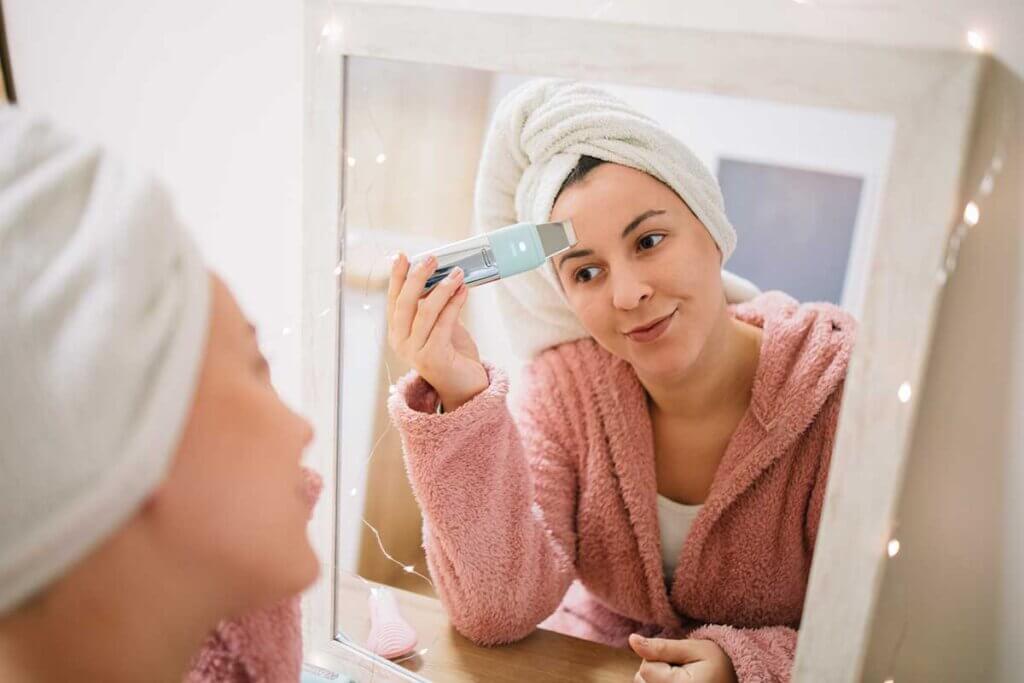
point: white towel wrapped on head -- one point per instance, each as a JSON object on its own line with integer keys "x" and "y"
{"x": 539, "y": 132}
{"x": 104, "y": 305}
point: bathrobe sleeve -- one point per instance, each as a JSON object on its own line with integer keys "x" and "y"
{"x": 498, "y": 502}
{"x": 762, "y": 655}
{"x": 264, "y": 646}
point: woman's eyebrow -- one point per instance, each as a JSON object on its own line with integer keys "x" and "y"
{"x": 633, "y": 225}
{"x": 578, "y": 253}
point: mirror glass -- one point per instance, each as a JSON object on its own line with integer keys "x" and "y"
{"x": 801, "y": 185}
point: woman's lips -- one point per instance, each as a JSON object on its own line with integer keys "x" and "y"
{"x": 649, "y": 334}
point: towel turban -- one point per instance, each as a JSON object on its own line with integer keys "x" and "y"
{"x": 537, "y": 136}
{"x": 104, "y": 305}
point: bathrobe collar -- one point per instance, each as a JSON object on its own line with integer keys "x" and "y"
{"x": 807, "y": 350}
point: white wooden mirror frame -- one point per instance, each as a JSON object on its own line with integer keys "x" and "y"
{"x": 929, "y": 94}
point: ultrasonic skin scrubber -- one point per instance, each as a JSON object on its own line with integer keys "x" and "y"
{"x": 502, "y": 253}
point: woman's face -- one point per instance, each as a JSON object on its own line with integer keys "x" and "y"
{"x": 645, "y": 277}
{"x": 233, "y": 508}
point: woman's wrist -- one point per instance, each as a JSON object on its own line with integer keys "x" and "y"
{"x": 451, "y": 400}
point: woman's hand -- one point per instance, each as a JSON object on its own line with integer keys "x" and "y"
{"x": 679, "y": 661}
{"x": 426, "y": 333}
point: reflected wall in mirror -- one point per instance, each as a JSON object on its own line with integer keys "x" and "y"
{"x": 802, "y": 187}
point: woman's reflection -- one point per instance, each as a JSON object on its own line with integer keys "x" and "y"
{"x": 666, "y": 471}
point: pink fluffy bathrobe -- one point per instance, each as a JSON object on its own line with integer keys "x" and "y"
{"x": 553, "y": 518}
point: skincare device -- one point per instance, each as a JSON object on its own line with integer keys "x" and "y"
{"x": 502, "y": 253}
{"x": 390, "y": 636}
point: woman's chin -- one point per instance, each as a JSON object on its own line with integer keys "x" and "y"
{"x": 307, "y": 568}
{"x": 665, "y": 364}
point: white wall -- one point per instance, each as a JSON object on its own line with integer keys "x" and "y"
{"x": 208, "y": 96}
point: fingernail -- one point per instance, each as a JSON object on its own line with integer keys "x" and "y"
{"x": 455, "y": 274}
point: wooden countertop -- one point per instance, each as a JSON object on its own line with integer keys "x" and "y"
{"x": 541, "y": 657}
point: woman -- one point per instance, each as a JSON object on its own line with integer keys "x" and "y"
{"x": 150, "y": 484}
{"x": 666, "y": 473}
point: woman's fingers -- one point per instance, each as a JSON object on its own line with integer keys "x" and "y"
{"x": 444, "y": 328}
{"x": 430, "y": 308}
{"x": 399, "y": 269}
{"x": 407, "y": 301}
{"x": 665, "y": 650}
{"x": 660, "y": 672}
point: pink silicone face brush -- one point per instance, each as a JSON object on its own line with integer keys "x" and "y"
{"x": 391, "y": 636}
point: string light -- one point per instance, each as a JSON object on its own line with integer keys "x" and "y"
{"x": 324, "y": 312}
{"x": 976, "y": 41}
{"x": 987, "y": 183}
{"x": 381, "y": 158}
{"x": 971, "y": 214}
{"x": 351, "y": 161}
{"x": 330, "y": 35}
{"x": 331, "y": 31}
{"x": 972, "y": 209}
{"x": 893, "y": 547}
{"x": 367, "y": 307}
{"x": 286, "y": 332}
{"x": 338, "y": 269}
{"x": 904, "y": 392}
{"x": 407, "y": 568}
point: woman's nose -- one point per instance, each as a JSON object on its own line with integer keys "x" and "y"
{"x": 628, "y": 291}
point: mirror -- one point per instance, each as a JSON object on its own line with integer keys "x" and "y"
{"x": 802, "y": 185}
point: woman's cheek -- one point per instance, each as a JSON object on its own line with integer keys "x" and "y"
{"x": 594, "y": 319}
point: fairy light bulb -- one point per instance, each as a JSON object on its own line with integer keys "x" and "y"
{"x": 904, "y": 392}
{"x": 893, "y": 547}
{"x": 972, "y": 214}
{"x": 976, "y": 40}
{"x": 987, "y": 184}
{"x": 409, "y": 569}
{"x": 353, "y": 492}
{"x": 381, "y": 158}
{"x": 286, "y": 331}
{"x": 351, "y": 161}
{"x": 338, "y": 269}
{"x": 331, "y": 31}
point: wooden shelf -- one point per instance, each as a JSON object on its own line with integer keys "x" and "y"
{"x": 544, "y": 656}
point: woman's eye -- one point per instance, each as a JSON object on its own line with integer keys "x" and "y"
{"x": 586, "y": 274}
{"x": 649, "y": 241}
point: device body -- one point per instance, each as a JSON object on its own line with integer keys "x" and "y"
{"x": 501, "y": 253}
